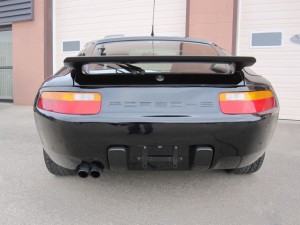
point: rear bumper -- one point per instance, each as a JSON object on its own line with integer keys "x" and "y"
{"x": 234, "y": 144}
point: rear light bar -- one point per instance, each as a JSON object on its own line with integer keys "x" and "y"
{"x": 75, "y": 103}
{"x": 246, "y": 102}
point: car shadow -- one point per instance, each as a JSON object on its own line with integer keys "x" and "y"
{"x": 163, "y": 181}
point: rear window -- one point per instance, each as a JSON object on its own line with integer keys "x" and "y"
{"x": 152, "y": 48}
{"x": 156, "y": 48}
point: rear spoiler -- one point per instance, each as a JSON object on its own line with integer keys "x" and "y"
{"x": 239, "y": 61}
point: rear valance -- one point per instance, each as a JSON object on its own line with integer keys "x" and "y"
{"x": 239, "y": 61}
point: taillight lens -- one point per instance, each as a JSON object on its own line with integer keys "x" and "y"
{"x": 76, "y": 103}
{"x": 246, "y": 102}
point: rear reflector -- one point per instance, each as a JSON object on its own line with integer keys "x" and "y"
{"x": 246, "y": 102}
{"x": 76, "y": 103}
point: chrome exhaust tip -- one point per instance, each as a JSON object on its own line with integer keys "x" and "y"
{"x": 83, "y": 170}
{"x": 96, "y": 170}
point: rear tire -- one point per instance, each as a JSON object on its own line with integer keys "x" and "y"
{"x": 252, "y": 168}
{"x": 56, "y": 169}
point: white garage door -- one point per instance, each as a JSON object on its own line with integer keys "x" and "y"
{"x": 78, "y": 22}
{"x": 270, "y": 31}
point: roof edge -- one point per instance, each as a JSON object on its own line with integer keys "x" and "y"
{"x": 154, "y": 38}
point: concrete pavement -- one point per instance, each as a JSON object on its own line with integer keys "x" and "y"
{"x": 30, "y": 195}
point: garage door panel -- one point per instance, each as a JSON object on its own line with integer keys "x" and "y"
{"x": 267, "y": 71}
{"x": 290, "y": 103}
{"x": 88, "y": 25}
{"x": 285, "y": 113}
{"x": 108, "y": 4}
{"x": 285, "y": 87}
{"x": 290, "y": 81}
{"x": 288, "y": 96}
{"x": 270, "y": 15}
{"x": 265, "y": 62}
{"x": 265, "y": 2}
{"x": 286, "y": 48}
{"x": 283, "y": 24}
{"x": 172, "y": 30}
{"x": 276, "y": 55}
{"x": 280, "y": 65}
{"x": 111, "y": 14}
{"x": 271, "y": 7}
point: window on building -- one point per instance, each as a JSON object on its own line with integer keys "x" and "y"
{"x": 266, "y": 39}
{"x": 71, "y": 46}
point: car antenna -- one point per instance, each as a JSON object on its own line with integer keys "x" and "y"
{"x": 152, "y": 32}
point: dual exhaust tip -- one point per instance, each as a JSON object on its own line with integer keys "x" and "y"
{"x": 94, "y": 169}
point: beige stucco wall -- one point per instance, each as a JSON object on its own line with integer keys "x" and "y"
{"x": 212, "y": 20}
{"x": 28, "y": 56}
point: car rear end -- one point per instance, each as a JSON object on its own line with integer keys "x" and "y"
{"x": 155, "y": 121}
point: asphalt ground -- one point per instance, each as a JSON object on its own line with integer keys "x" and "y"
{"x": 30, "y": 195}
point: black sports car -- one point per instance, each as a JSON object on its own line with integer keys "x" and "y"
{"x": 155, "y": 103}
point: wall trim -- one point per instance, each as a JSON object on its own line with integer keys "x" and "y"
{"x": 235, "y": 27}
{"x": 48, "y": 36}
{"x": 187, "y": 20}
{"x": 237, "y": 33}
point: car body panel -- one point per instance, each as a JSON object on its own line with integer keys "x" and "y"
{"x": 235, "y": 144}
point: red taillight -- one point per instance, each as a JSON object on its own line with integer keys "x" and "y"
{"x": 76, "y": 103}
{"x": 246, "y": 102}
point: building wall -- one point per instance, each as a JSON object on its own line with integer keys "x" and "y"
{"x": 29, "y": 55}
{"x": 212, "y": 20}
{"x": 280, "y": 65}
{"x": 91, "y": 20}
